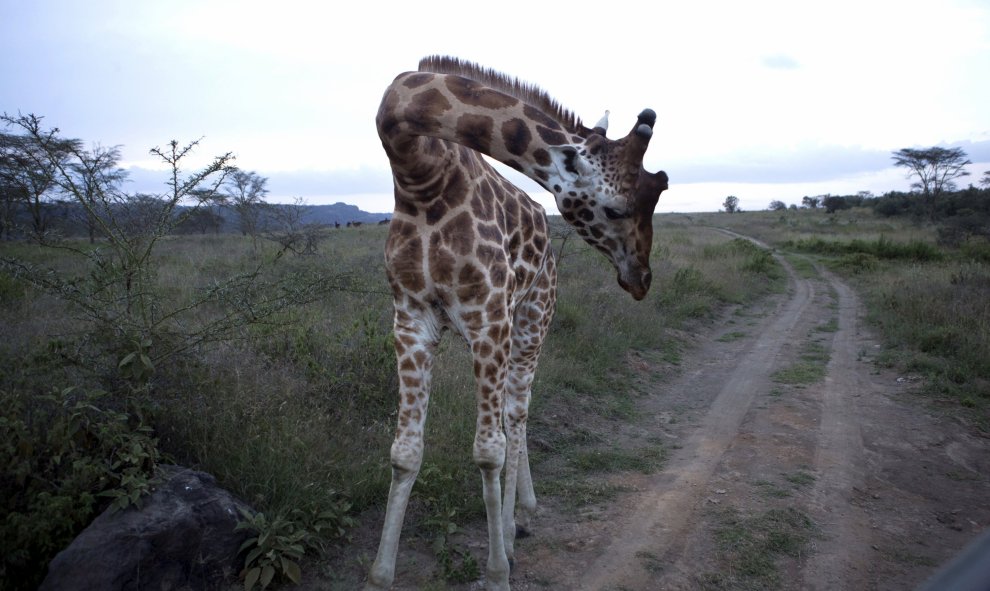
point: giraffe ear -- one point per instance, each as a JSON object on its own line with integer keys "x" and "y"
{"x": 571, "y": 165}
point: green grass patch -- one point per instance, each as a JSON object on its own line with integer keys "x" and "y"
{"x": 749, "y": 547}
{"x": 729, "y": 337}
{"x": 881, "y": 248}
{"x": 575, "y": 492}
{"x": 800, "y": 374}
{"x": 802, "y": 265}
{"x": 645, "y": 460}
{"x": 800, "y": 478}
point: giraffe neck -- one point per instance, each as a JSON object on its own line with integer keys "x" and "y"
{"x": 451, "y": 108}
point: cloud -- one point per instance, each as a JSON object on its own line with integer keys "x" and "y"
{"x": 780, "y": 62}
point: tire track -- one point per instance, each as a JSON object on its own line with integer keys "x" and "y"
{"x": 839, "y": 460}
{"x": 664, "y": 513}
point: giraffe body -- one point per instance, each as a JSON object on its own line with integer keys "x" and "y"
{"x": 468, "y": 251}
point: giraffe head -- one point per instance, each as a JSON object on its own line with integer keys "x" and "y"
{"x": 609, "y": 198}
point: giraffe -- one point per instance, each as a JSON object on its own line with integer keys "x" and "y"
{"x": 470, "y": 252}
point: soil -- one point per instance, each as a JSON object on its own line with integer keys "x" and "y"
{"x": 892, "y": 487}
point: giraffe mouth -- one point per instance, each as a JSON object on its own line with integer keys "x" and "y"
{"x": 637, "y": 283}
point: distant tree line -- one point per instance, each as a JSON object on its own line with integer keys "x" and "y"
{"x": 53, "y": 187}
{"x": 961, "y": 214}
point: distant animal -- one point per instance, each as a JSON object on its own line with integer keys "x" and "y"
{"x": 383, "y": 222}
{"x": 470, "y": 252}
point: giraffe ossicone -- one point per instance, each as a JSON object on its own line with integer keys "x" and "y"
{"x": 470, "y": 252}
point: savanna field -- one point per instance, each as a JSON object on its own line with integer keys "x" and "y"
{"x": 274, "y": 371}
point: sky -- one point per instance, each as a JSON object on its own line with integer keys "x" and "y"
{"x": 763, "y": 100}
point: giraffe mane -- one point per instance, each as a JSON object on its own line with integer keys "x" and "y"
{"x": 524, "y": 91}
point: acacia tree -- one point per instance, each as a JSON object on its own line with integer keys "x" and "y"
{"x": 985, "y": 181}
{"x": 29, "y": 171}
{"x": 777, "y": 205}
{"x": 97, "y": 173}
{"x": 245, "y": 193}
{"x": 935, "y": 169}
{"x": 731, "y": 204}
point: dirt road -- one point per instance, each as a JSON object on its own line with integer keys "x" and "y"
{"x": 796, "y": 464}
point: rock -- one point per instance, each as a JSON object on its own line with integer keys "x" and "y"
{"x": 182, "y": 537}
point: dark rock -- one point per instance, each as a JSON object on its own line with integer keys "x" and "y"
{"x": 182, "y": 537}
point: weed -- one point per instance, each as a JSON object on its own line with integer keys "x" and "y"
{"x": 731, "y": 336}
{"x": 800, "y": 374}
{"x": 643, "y": 460}
{"x": 800, "y": 478}
{"x": 770, "y": 489}
{"x": 650, "y": 561}
{"x": 750, "y": 546}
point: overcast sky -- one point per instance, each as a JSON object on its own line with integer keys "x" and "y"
{"x": 761, "y": 99}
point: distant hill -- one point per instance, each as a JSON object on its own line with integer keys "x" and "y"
{"x": 341, "y": 213}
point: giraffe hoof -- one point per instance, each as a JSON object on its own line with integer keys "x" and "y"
{"x": 522, "y": 532}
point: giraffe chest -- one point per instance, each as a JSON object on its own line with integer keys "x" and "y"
{"x": 473, "y": 271}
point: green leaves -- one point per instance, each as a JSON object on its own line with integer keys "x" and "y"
{"x": 63, "y": 451}
{"x": 275, "y": 549}
{"x": 137, "y": 364}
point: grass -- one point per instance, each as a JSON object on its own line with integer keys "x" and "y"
{"x": 802, "y": 373}
{"x": 729, "y": 337}
{"x": 643, "y": 460}
{"x": 750, "y": 546}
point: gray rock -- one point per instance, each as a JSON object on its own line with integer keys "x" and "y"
{"x": 182, "y": 537}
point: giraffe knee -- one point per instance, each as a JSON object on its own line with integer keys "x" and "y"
{"x": 489, "y": 451}
{"x": 406, "y": 458}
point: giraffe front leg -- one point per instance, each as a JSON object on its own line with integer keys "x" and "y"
{"x": 489, "y": 455}
{"x": 406, "y": 457}
{"x": 414, "y": 349}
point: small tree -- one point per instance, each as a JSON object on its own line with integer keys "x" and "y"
{"x": 833, "y": 203}
{"x": 985, "y": 181}
{"x": 94, "y": 171}
{"x": 777, "y": 205}
{"x": 245, "y": 194}
{"x": 731, "y": 204}
{"x": 811, "y": 202}
{"x": 935, "y": 169}
{"x": 29, "y": 171}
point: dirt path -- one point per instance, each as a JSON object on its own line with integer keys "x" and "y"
{"x": 859, "y": 484}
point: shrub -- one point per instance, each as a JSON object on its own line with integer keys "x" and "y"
{"x": 64, "y": 453}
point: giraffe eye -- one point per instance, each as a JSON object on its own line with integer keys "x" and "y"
{"x": 615, "y": 214}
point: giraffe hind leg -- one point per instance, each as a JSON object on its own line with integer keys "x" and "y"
{"x": 519, "y": 505}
